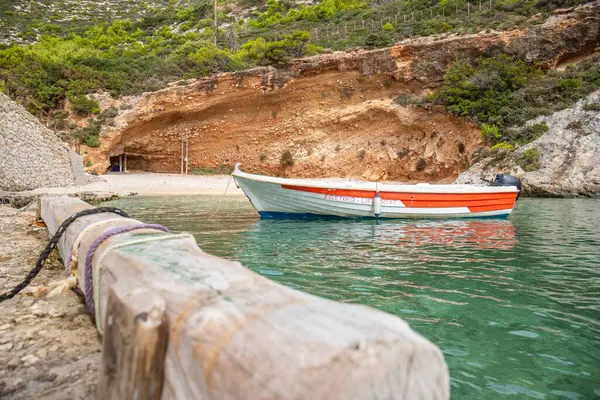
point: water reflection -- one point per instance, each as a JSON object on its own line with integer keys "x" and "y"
{"x": 473, "y": 234}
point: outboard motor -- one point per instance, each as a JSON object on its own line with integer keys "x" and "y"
{"x": 507, "y": 180}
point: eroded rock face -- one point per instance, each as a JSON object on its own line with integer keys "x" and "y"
{"x": 335, "y": 112}
{"x": 569, "y": 156}
{"x": 32, "y": 155}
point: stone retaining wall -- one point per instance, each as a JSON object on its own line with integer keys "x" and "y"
{"x": 31, "y": 155}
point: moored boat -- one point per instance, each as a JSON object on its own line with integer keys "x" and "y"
{"x": 276, "y": 197}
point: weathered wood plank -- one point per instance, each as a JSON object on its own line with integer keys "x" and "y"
{"x": 134, "y": 345}
{"x": 234, "y": 334}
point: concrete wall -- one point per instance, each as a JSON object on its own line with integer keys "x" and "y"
{"x": 31, "y": 156}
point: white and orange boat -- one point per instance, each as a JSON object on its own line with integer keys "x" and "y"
{"x": 276, "y": 197}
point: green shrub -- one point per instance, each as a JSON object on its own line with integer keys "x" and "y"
{"x": 81, "y": 105}
{"x": 569, "y": 85}
{"x": 592, "y": 107}
{"x": 501, "y": 147}
{"x": 387, "y": 27}
{"x": 506, "y": 93}
{"x": 422, "y": 164}
{"x": 529, "y": 133}
{"x": 490, "y": 131}
{"x": 261, "y": 52}
{"x": 209, "y": 59}
{"x": 92, "y": 141}
{"x": 286, "y": 159}
{"x": 110, "y": 112}
{"x": 480, "y": 90}
{"x": 405, "y": 99}
{"x": 378, "y": 39}
{"x": 530, "y": 160}
{"x": 88, "y": 134}
{"x": 346, "y": 92}
{"x": 88, "y": 164}
{"x": 575, "y": 125}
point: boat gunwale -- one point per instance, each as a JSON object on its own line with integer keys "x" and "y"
{"x": 377, "y": 186}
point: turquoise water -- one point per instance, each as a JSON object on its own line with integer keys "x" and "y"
{"x": 513, "y": 304}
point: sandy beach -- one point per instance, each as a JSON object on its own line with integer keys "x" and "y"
{"x": 152, "y": 184}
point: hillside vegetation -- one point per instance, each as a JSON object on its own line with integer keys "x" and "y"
{"x": 501, "y": 94}
{"x": 71, "y": 55}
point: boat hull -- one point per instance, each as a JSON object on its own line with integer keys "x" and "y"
{"x": 277, "y": 198}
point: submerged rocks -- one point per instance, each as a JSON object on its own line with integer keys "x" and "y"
{"x": 569, "y": 155}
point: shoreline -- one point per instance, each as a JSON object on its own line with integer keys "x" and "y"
{"x": 144, "y": 184}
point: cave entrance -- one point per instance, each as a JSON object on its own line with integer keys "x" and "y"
{"x": 118, "y": 163}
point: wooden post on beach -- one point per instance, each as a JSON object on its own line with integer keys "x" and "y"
{"x": 125, "y": 162}
{"x": 120, "y": 162}
{"x": 232, "y": 333}
{"x": 181, "y": 153}
{"x": 187, "y": 152}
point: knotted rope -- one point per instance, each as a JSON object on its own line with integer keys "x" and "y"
{"x": 71, "y": 264}
{"x": 52, "y": 245}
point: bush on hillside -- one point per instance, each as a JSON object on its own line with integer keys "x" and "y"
{"x": 591, "y": 107}
{"x": 501, "y": 147}
{"x": 286, "y": 159}
{"x": 280, "y": 52}
{"x": 90, "y": 134}
{"x": 574, "y": 125}
{"x": 530, "y": 160}
{"x": 480, "y": 90}
{"x": 501, "y": 93}
{"x": 84, "y": 106}
{"x": 529, "y": 133}
{"x": 378, "y": 39}
{"x": 92, "y": 141}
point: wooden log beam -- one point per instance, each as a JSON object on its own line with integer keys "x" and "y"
{"x": 234, "y": 334}
{"x": 134, "y": 345}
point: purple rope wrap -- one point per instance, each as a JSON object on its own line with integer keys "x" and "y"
{"x": 89, "y": 279}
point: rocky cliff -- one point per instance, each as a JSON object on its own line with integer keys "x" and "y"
{"x": 569, "y": 155}
{"x": 340, "y": 114}
{"x": 32, "y": 155}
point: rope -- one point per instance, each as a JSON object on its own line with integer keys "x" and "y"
{"x": 96, "y": 277}
{"x": 52, "y": 245}
{"x": 71, "y": 263}
{"x": 89, "y": 284}
{"x": 220, "y": 203}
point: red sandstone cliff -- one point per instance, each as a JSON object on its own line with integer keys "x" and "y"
{"x": 335, "y": 113}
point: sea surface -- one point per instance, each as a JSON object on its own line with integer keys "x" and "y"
{"x": 514, "y": 303}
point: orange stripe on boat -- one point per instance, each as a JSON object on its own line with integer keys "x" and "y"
{"x": 446, "y": 196}
{"x": 423, "y": 200}
{"x": 367, "y": 194}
